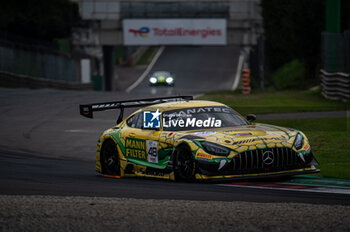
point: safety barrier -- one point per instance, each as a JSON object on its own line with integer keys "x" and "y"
{"x": 12, "y": 80}
{"x": 335, "y": 85}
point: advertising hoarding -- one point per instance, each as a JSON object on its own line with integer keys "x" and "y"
{"x": 174, "y": 31}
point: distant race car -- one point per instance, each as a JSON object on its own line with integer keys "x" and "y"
{"x": 161, "y": 78}
{"x": 178, "y": 138}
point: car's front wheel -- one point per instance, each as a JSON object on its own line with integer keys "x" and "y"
{"x": 185, "y": 164}
{"x": 110, "y": 161}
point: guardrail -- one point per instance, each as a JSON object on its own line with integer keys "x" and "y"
{"x": 335, "y": 85}
{"x": 12, "y": 80}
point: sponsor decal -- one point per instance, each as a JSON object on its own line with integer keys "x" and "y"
{"x": 151, "y": 119}
{"x": 180, "y": 31}
{"x": 152, "y": 151}
{"x": 203, "y": 156}
{"x": 205, "y": 133}
{"x": 189, "y": 111}
{"x": 306, "y": 147}
{"x": 142, "y": 32}
{"x": 191, "y": 122}
{"x": 174, "y": 31}
{"x": 135, "y": 149}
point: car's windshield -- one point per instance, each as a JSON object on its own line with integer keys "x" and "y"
{"x": 200, "y": 118}
{"x": 159, "y": 74}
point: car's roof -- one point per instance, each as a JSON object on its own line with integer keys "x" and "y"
{"x": 182, "y": 104}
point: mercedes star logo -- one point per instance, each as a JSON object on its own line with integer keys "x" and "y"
{"x": 268, "y": 157}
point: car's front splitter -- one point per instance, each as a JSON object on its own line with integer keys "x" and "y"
{"x": 311, "y": 170}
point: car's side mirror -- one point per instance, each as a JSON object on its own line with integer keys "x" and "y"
{"x": 250, "y": 117}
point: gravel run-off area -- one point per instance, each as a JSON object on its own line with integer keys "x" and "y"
{"x": 52, "y": 213}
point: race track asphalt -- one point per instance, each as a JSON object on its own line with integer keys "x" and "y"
{"x": 25, "y": 174}
{"x": 197, "y": 70}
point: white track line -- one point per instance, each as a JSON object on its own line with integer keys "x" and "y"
{"x": 238, "y": 71}
{"x": 333, "y": 190}
{"x": 148, "y": 69}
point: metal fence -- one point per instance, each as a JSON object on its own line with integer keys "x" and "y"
{"x": 36, "y": 61}
{"x": 336, "y": 52}
{"x": 189, "y": 9}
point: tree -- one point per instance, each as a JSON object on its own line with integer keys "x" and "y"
{"x": 39, "y": 18}
{"x": 293, "y": 31}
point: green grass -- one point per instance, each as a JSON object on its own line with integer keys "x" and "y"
{"x": 275, "y": 101}
{"x": 147, "y": 56}
{"x": 330, "y": 142}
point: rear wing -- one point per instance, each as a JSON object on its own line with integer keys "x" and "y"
{"x": 88, "y": 109}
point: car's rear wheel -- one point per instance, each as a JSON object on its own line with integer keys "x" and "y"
{"x": 110, "y": 161}
{"x": 185, "y": 164}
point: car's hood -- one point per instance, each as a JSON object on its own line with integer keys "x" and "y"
{"x": 248, "y": 135}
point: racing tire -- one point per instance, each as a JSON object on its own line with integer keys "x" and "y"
{"x": 185, "y": 165}
{"x": 110, "y": 161}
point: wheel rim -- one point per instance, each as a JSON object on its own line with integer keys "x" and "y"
{"x": 110, "y": 158}
{"x": 185, "y": 165}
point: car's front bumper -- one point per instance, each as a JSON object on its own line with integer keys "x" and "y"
{"x": 251, "y": 165}
{"x": 162, "y": 84}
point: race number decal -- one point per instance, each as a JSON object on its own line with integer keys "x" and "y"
{"x": 152, "y": 152}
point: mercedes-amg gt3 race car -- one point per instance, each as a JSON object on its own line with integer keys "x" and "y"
{"x": 179, "y": 138}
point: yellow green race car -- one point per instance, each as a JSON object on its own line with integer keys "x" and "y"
{"x": 179, "y": 138}
{"x": 162, "y": 78}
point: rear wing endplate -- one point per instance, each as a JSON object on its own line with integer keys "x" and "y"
{"x": 88, "y": 109}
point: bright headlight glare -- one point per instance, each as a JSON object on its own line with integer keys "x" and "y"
{"x": 169, "y": 80}
{"x": 299, "y": 142}
{"x": 153, "y": 80}
{"x": 215, "y": 149}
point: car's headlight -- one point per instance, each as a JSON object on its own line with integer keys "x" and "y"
{"x": 153, "y": 80}
{"x": 299, "y": 141}
{"x": 169, "y": 80}
{"x": 215, "y": 149}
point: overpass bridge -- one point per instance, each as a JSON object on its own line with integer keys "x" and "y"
{"x": 142, "y": 23}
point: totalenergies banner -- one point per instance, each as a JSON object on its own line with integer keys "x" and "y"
{"x": 174, "y": 31}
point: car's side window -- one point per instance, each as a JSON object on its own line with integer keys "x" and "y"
{"x": 131, "y": 122}
{"x": 139, "y": 120}
{"x": 135, "y": 121}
